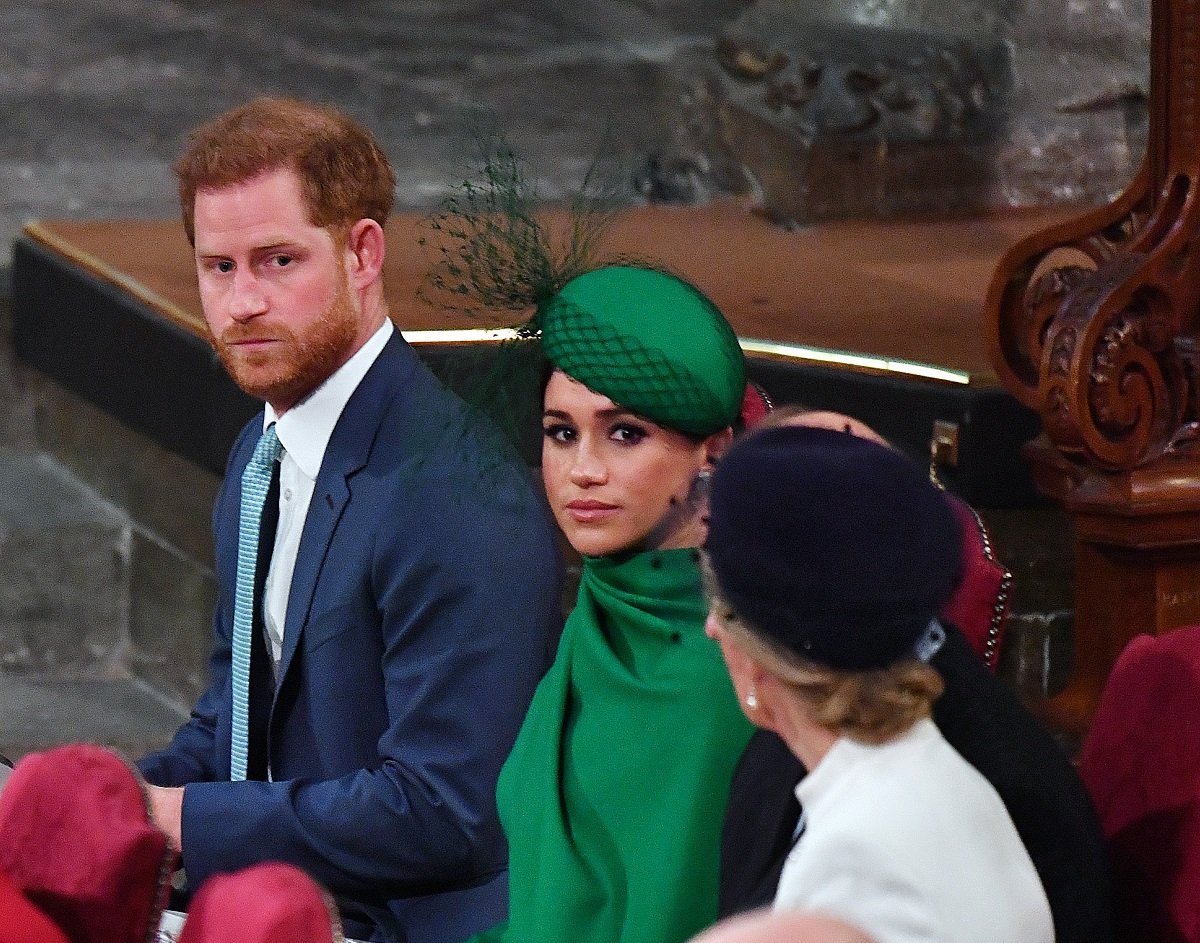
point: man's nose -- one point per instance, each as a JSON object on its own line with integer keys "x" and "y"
{"x": 247, "y": 298}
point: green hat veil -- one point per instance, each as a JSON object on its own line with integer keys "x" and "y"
{"x": 650, "y": 342}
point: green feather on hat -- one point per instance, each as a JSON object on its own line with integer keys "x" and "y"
{"x": 648, "y": 340}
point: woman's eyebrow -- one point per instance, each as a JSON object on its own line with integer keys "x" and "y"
{"x": 617, "y": 411}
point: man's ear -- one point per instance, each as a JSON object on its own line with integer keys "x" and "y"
{"x": 365, "y": 249}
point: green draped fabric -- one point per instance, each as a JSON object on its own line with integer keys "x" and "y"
{"x": 614, "y": 794}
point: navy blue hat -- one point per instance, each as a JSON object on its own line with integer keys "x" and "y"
{"x": 835, "y": 548}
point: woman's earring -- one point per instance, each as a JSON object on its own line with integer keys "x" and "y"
{"x": 752, "y": 699}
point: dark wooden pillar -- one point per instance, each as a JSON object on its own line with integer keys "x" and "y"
{"x": 1093, "y": 323}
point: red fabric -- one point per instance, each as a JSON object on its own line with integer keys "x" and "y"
{"x": 267, "y": 903}
{"x": 21, "y": 922}
{"x": 982, "y": 595}
{"x": 1141, "y": 764}
{"x": 79, "y": 844}
{"x": 755, "y": 405}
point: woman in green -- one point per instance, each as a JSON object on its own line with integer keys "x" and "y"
{"x": 613, "y": 797}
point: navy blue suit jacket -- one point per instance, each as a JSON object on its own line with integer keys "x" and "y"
{"x": 424, "y": 608}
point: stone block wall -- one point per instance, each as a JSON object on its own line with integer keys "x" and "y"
{"x": 106, "y": 581}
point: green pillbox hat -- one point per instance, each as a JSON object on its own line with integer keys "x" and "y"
{"x": 650, "y": 342}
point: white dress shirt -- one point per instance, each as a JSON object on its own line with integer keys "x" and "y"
{"x": 909, "y": 843}
{"x": 304, "y": 432}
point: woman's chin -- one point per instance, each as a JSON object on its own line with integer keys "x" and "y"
{"x": 597, "y": 545}
{"x": 592, "y": 540}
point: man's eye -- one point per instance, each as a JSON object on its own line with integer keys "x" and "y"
{"x": 629, "y": 434}
{"x": 224, "y": 266}
{"x": 558, "y": 432}
{"x": 280, "y": 261}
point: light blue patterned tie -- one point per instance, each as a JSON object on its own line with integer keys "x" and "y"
{"x": 256, "y": 482}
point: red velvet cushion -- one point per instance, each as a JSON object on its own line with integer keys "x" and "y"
{"x": 756, "y": 404}
{"x": 979, "y": 606}
{"x": 1141, "y": 764}
{"x": 267, "y": 903}
{"x": 78, "y": 843}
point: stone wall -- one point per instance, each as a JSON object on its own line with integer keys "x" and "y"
{"x": 106, "y": 582}
{"x": 841, "y": 108}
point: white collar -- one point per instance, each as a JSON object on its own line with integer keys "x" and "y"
{"x": 846, "y": 755}
{"x": 305, "y": 429}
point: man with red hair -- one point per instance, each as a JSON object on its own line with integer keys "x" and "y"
{"x": 388, "y": 575}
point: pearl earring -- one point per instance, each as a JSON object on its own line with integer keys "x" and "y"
{"x": 752, "y": 699}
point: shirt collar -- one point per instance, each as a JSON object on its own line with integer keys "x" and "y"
{"x": 305, "y": 429}
{"x": 823, "y": 780}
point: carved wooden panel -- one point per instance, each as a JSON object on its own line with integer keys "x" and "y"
{"x": 1093, "y": 323}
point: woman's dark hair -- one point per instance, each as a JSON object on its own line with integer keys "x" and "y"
{"x": 548, "y": 369}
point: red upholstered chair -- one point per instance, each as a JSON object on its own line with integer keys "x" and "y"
{"x": 756, "y": 406}
{"x": 1141, "y": 764}
{"x": 266, "y": 903}
{"x": 979, "y": 606}
{"x": 78, "y": 843}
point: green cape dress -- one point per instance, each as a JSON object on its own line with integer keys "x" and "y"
{"x": 614, "y": 794}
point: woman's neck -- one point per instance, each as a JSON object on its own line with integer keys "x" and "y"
{"x": 808, "y": 740}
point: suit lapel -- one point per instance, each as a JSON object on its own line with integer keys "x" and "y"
{"x": 347, "y": 453}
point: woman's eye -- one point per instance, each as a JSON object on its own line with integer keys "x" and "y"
{"x": 558, "y": 432}
{"x": 628, "y": 434}
{"x": 224, "y": 266}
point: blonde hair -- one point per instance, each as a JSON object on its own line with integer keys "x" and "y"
{"x": 868, "y": 706}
